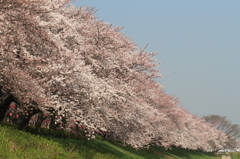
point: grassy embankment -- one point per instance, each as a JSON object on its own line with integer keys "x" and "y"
{"x": 15, "y": 144}
{"x": 235, "y": 155}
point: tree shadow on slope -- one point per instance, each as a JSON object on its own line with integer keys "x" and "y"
{"x": 185, "y": 153}
{"x": 90, "y": 149}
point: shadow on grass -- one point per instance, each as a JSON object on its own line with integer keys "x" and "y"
{"x": 90, "y": 148}
{"x": 185, "y": 154}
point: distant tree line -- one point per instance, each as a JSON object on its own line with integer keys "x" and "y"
{"x": 231, "y": 130}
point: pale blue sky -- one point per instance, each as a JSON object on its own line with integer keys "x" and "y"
{"x": 198, "y": 42}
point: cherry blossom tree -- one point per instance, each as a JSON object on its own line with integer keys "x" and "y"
{"x": 61, "y": 60}
{"x": 27, "y": 53}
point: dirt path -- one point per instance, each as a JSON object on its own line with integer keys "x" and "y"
{"x": 226, "y": 157}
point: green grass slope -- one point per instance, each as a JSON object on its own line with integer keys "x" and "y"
{"x": 15, "y": 144}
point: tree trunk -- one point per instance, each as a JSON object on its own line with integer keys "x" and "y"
{"x": 52, "y": 124}
{"x": 27, "y": 118}
{"x": 40, "y": 119}
{"x": 4, "y": 105}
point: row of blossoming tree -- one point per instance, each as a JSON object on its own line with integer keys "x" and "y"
{"x": 54, "y": 55}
